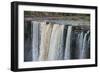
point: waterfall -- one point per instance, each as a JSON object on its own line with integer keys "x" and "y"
{"x": 35, "y": 41}
{"x": 67, "y": 48}
{"x": 56, "y": 42}
{"x": 46, "y": 30}
{"x": 81, "y": 36}
{"x": 84, "y": 48}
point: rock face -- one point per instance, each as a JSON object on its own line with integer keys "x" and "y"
{"x": 56, "y": 40}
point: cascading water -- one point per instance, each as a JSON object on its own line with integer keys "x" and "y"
{"x": 35, "y": 41}
{"x": 84, "y": 48}
{"x": 46, "y": 31}
{"x": 81, "y": 36}
{"x": 67, "y": 48}
{"x": 56, "y": 50}
{"x": 49, "y": 43}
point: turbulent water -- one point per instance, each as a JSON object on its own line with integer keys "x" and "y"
{"x": 55, "y": 41}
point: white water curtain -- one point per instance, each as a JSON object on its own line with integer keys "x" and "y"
{"x": 68, "y": 39}
{"x": 46, "y": 30}
{"x": 48, "y": 42}
{"x": 35, "y": 42}
{"x": 85, "y": 44}
{"x": 56, "y": 42}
